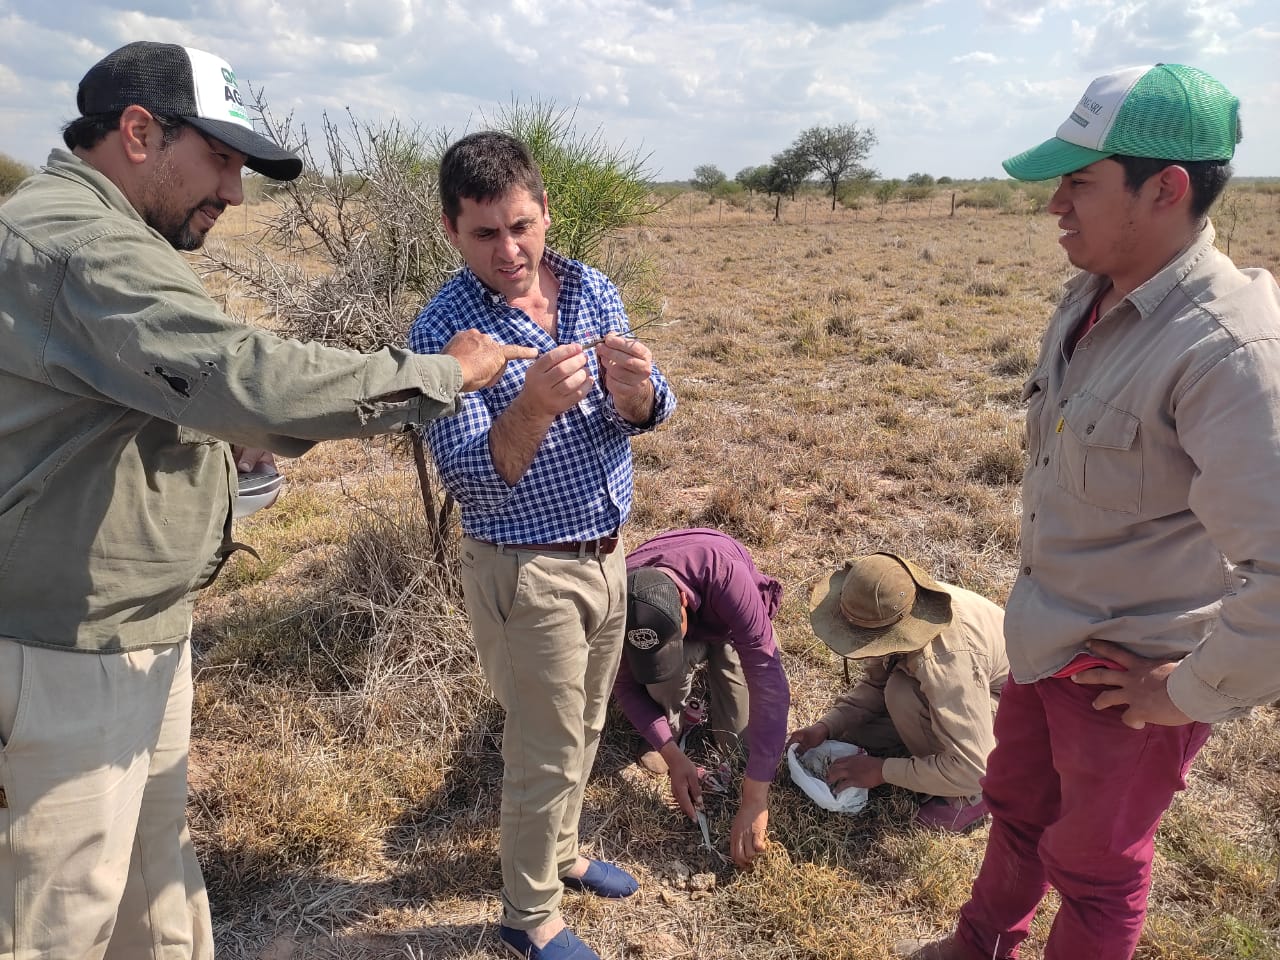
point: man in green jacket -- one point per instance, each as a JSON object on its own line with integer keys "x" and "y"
{"x": 121, "y": 387}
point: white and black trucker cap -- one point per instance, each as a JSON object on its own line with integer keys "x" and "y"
{"x": 176, "y": 81}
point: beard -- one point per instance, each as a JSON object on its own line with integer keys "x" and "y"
{"x": 163, "y": 216}
{"x": 175, "y": 226}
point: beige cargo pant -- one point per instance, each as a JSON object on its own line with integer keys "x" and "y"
{"x": 907, "y": 730}
{"x": 548, "y": 629}
{"x": 728, "y": 701}
{"x": 95, "y": 859}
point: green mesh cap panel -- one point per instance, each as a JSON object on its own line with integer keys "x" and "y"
{"x": 1176, "y": 113}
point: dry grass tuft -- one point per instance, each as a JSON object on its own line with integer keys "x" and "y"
{"x": 745, "y": 510}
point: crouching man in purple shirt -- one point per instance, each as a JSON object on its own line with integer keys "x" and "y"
{"x": 695, "y": 596}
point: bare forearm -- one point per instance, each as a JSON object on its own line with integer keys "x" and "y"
{"x": 755, "y": 792}
{"x": 636, "y": 408}
{"x": 514, "y": 439}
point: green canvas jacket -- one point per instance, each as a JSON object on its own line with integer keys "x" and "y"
{"x": 121, "y": 386}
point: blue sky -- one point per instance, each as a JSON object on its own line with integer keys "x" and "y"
{"x": 949, "y": 87}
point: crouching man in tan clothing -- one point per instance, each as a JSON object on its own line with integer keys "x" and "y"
{"x": 924, "y": 710}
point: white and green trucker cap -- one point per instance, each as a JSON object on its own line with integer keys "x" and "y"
{"x": 1166, "y": 111}
{"x": 177, "y": 81}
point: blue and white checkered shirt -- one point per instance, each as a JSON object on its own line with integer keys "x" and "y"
{"x": 579, "y": 484}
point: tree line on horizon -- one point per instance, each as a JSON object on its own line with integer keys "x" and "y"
{"x": 836, "y": 154}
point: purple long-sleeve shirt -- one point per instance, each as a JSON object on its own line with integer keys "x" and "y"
{"x": 729, "y": 601}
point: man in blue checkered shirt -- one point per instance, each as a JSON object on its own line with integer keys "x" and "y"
{"x": 540, "y": 461}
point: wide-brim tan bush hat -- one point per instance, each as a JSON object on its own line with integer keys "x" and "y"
{"x": 877, "y": 605}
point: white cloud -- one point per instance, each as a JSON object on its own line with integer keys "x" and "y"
{"x": 356, "y": 53}
{"x": 729, "y": 82}
{"x": 619, "y": 52}
{"x": 1023, "y": 15}
{"x": 10, "y": 85}
{"x": 1151, "y": 31}
{"x": 827, "y": 13}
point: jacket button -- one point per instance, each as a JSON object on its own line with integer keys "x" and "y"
{"x": 1027, "y": 571}
{"x": 1046, "y": 461}
{"x": 1089, "y": 428}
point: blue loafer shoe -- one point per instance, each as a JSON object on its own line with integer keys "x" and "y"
{"x": 565, "y": 945}
{"x": 604, "y": 880}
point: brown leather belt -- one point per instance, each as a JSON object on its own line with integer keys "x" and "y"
{"x": 601, "y": 547}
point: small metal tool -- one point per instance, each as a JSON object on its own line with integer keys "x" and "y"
{"x": 706, "y": 837}
{"x": 706, "y": 830}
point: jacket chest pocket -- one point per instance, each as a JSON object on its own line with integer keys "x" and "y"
{"x": 1033, "y": 395}
{"x": 1100, "y": 455}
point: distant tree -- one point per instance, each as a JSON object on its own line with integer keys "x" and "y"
{"x": 919, "y": 186}
{"x": 887, "y": 189}
{"x": 945, "y": 181}
{"x": 837, "y": 153}
{"x": 727, "y": 190}
{"x": 707, "y": 176}
{"x": 851, "y": 191}
{"x": 753, "y": 178}
{"x": 789, "y": 169}
{"x": 12, "y": 173}
{"x": 787, "y": 172}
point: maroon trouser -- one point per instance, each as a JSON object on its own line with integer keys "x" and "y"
{"x": 1075, "y": 800}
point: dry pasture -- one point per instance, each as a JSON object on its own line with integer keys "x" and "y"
{"x": 847, "y": 381}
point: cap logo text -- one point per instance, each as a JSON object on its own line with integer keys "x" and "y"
{"x": 642, "y": 638}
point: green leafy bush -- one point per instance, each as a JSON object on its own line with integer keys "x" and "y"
{"x": 594, "y": 189}
{"x": 12, "y": 173}
{"x": 989, "y": 195}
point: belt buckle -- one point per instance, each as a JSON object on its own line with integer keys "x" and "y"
{"x": 597, "y": 548}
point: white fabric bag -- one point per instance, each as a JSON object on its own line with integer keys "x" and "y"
{"x": 809, "y": 770}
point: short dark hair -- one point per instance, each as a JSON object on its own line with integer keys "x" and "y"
{"x": 89, "y": 131}
{"x": 485, "y": 166}
{"x": 1208, "y": 177}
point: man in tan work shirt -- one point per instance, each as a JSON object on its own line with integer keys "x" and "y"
{"x": 1150, "y": 540}
{"x": 924, "y": 711}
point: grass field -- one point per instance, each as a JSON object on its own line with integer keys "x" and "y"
{"x": 848, "y": 381}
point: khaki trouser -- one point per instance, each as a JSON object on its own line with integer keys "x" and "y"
{"x": 548, "y": 629}
{"x": 907, "y": 731}
{"x": 729, "y": 704}
{"x": 95, "y": 859}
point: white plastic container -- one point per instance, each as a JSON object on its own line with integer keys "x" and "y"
{"x": 256, "y": 489}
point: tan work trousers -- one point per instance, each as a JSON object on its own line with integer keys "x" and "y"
{"x": 548, "y": 629}
{"x": 95, "y": 859}
{"x": 907, "y": 731}
{"x": 729, "y": 703}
